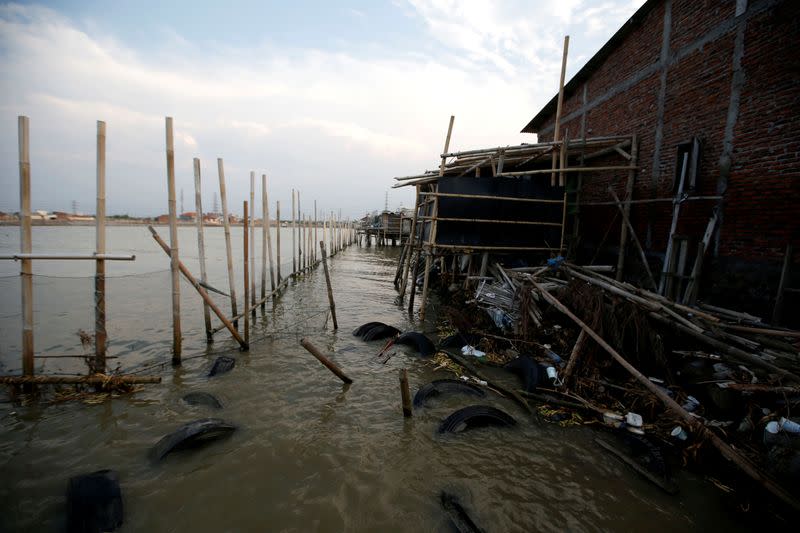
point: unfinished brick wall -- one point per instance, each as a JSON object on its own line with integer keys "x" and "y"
{"x": 712, "y": 82}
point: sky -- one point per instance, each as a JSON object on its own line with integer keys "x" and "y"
{"x": 333, "y": 99}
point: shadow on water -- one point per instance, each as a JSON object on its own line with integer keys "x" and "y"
{"x": 314, "y": 455}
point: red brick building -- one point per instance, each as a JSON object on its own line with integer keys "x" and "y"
{"x": 719, "y": 79}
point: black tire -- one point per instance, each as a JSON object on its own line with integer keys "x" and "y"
{"x": 475, "y": 416}
{"x": 442, "y": 386}
{"x": 202, "y": 398}
{"x": 94, "y": 502}
{"x": 457, "y": 340}
{"x": 417, "y": 340}
{"x": 528, "y": 371}
{"x": 193, "y": 434}
{"x": 363, "y": 328}
{"x": 380, "y": 332}
{"x": 647, "y": 453}
{"x": 459, "y": 518}
{"x": 222, "y": 365}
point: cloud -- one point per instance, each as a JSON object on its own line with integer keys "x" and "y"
{"x": 338, "y": 125}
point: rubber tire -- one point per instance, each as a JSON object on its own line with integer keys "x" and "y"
{"x": 202, "y": 398}
{"x": 94, "y": 502}
{"x": 457, "y": 340}
{"x": 442, "y": 386}
{"x": 528, "y": 370}
{"x": 475, "y": 416}
{"x": 417, "y": 340}
{"x": 222, "y": 365}
{"x": 380, "y": 332}
{"x": 459, "y": 518}
{"x": 193, "y": 434}
{"x": 364, "y": 328}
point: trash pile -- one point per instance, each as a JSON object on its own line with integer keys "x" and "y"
{"x": 692, "y": 379}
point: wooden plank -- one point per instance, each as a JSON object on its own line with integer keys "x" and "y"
{"x": 201, "y": 243}
{"x": 173, "y": 244}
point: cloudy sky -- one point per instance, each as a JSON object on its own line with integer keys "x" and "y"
{"x": 331, "y": 98}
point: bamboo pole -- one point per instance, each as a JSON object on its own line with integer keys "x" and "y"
{"x": 316, "y": 239}
{"x": 676, "y": 209}
{"x": 693, "y": 423}
{"x": 294, "y": 227}
{"x": 490, "y": 221}
{"x": 559, "y": 103}
{"x": 226, "y": 224}
{"x": 627, "y": 223}
{"x": 409, "y": 245}
{"x": 173, "y": 244}
{"x": 278, "y": 239}
{"x": 267, "y": 232}
{"x": 405, "y": 394}
{"x": 432, "y": 234}
{"x": 328, "y": 284}
{"x": 299, "y": 236}
{"x": 199, "y": 288}
{"x": 94, "y": 379}
{"x": 201, "y": 245}
{"x": 71, "y": 256}
{"x": 313, "y": 350}
{"x": 25, "y": 243}
{"x": 777, "y": 311}
{"x": 252, "y": 239}
{"x": 562, "y": 182}
{"x": 488, "y": 197}
{"x": 100, "y": 335}
{"x": 246, "y": 252}
{"x": 626, "y": 215}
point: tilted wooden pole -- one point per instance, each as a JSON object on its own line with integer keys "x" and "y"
{"x": 100, "y": 335}
{"x": 328, "y": 283}
{"x": 173, "y": 244}
{"x": 199, "y": 288}
{"x": 201, "y": 245}
{"x": 330, "y": 365}
{"x": 557, "y": 125}
{"x": 693, "y": 423}
{"x": 226, "y": 224}
{"x": 25, "y": 246}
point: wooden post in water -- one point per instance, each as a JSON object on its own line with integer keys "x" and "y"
{"x": 246, "y": 276}
{"x": 278, "y": 241}
{"x": 315, "y": 232}
{"x": 252, "y": 238}
{"x": 405, "y": 394}
{"x": 100, "y": 335}
{"x": 294, "y": 227}
{"x": 432, "y": 234}
{"x": 267, "y": 232}
{"x": 201, "y": 244}
{"x": 328, "y": 283}
{"x": 301, "y": 248}
{"x": 173, "y": 245}
{"x": 409, "y": 246}
{"x": 299, "y": 236}
{"x": 226, "y": 224}
{"x": 330, "y": 365}
{"x": 25, "y": 244}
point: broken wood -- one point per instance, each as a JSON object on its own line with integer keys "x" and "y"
{"x": 330, "y": 365}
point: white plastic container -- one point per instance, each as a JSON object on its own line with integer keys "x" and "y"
{"x": 679, "y": 433}
{"x": 633, "y": 419}
{"x": 789, "y": 426}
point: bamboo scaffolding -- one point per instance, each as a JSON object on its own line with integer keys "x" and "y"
{"x": 627, "y": 223}
{"x": 173, "y": 244}
{"x": 228, "y": 247}
{"x": 562, "y": 182}
{"x": 201, "y": 246}
{"x": 199, "y": 288}
{"x": 100, "y": 335}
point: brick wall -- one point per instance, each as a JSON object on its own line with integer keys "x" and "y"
{"x": 760, "y": 214}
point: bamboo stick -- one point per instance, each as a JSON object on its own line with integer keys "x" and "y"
{"x": 252, "y": 239}
{"x": 489, "y": 197}
{"x": 561, "y": 182}
{"x": 268, "y": 233}
{"x": 729, "y": 453}
{"x": 405, "y": 393}
{"x": 299, "y": 235}
{"x": 201, "y": 245}
{"x": 559, "y": 103}
{"x": 100, "y": 335}
{"x": 294, "y": 227}
{"x": 432, "y": 235}
{"x": 226, "y": 224}
{"x": 627, "y": 223}
{"x": 25, "y": 243}
{"x": 246, "y": 251}
{"x": 777, "y": 311}
{"x": 676, "y": 209}
{"x": 577, "y": 351}
{"x": 94, "y": 379}
{"x": 278, "y": 240}
{"x": 313, "y": 350}
{"x": 328, "y": 284}
{"x": 314, "y": 248}
{"x": 173, "y": 244}
{"x": 278, "y": 289}
{"x": 490, "y": 221}
{"x": 199, "y": 288}
{"x": 626, "y": 215}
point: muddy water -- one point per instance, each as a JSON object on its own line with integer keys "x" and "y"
{"x": 310, "y": 454}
